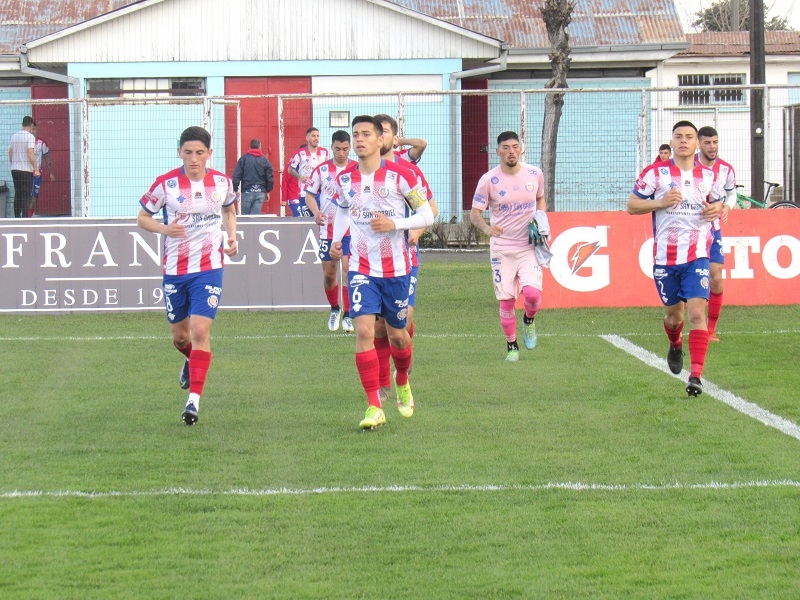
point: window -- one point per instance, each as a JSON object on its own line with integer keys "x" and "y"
{"x": 145, "y": 87}
{"x": 716, "y": 94}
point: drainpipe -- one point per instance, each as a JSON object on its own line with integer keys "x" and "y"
{"x": 27, "y": 70}
{"x": 455, "y": 164}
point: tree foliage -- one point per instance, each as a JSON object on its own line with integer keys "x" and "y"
{"x": 717, "y": 17}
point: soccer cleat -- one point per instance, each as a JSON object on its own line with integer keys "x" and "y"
{"x": 675, "y": 359}
{"x": 347, "y": 325}
{"x": 373, "y": 418}
{"x": 405, "y": 401}
{"x": 513, "y": 355}
{"x": 712, "y": 336}
{"x": 189, "y": 415}
{"x": 184, "y": 378}
{"x": 333, "y": 321}
{"x": 529, "y": 334}
{"x": 695, "y": 387}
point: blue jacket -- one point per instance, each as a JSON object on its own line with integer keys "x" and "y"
{"x": 254, "y": 172}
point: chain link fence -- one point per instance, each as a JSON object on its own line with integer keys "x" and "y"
{"x": 106, "y": 153}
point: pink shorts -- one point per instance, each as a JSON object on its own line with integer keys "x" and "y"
{"x": 512, "y": 270}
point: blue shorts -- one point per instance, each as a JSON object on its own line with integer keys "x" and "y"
{"x": 192, "y": 294}
{"x": 682, "y": 282}
{"x": 383, "y": 296}
{"x": 412, "y": 287}
{"x": 716, "y": 248}
{"x": 37, "y": 186}
{"x": 299, "y": 208}
{"x": 325, "y": 249}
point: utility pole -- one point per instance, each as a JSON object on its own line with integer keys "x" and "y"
{"x": 757, "y": 76}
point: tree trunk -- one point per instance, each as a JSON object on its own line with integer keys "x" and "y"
{"x": 557, "y": 14}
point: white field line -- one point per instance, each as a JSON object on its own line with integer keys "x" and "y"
{"x": 316, "y": 336}
{"x": 393, "y": 489}
{"x": 743, "y": 406}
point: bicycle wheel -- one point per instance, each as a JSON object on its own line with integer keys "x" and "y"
{"x": 785, "y": 204}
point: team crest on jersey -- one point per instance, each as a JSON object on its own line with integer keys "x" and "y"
{"x": 703, "y": 187}
{"x": 403, "y": 314}
{"x": 495, "y": 180}
{"x": 172, "y": 183}
{"x": 529, "y": 186}
{"x": 354, "y": 211}
{"x": 704, "y": 283}
{"x": 383, "y": 192}
{"x": 213, "y": 301}
{"x": 215, "y": 196}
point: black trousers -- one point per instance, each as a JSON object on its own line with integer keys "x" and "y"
{"x": 23, "y": 188}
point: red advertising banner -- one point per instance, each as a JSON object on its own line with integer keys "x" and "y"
{"x": 606, "y": 259}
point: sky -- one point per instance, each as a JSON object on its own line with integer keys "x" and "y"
{"x": 688, "y": 8}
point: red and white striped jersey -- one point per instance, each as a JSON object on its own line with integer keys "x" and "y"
{"x": 392, "y": 190}
{"x": 726, "y": 179}
{"x": 321, "y": 184}
{"x": 681, "y": 233}
{"x": 198, "y": 205}
{"x": 304, "y": 161}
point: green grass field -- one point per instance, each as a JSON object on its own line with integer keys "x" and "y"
{"x": 580, "y": 471}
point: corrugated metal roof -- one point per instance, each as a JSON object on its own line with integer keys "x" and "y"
{"x": 517, "y": 22}
{"x": 594, "y": 22}
{"x": 24, "y": 20}
{"x": 737, "y": 43}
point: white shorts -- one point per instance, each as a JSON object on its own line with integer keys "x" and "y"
{"x": 514, "y": 269}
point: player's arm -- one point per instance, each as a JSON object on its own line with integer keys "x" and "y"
{"x": 340, "y": 226}
{"x": 418, "y": 146}
{"x": 146, "y": 221}
{"x": 229, "y": 223}
{"x": 49, "y": 162}
{"x": 415, "y": 234}
{"x": 311, "y": 203}
{"x": 638, "y": 205}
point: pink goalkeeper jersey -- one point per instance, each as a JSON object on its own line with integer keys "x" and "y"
{"x": 198, "y": 205}
{"x": 511, "y": 201}
{"x": 392, "y": 190}
{"x": 681, "y": 234}
{"x": 321, "y": 185}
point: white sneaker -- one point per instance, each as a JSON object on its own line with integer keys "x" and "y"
{"x": 333, "y": 321}
{"x": 347, "y": 325}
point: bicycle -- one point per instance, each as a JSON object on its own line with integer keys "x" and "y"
{"x": 748, "y": 202}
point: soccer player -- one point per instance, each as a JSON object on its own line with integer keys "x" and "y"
{"x": 320, "y": 200}
{"x": 683, "y": 198}
{"x": 726, "y": 177}
{"x": 409, "y": 149}
{"x": 375, "y": 199}
{"x": 513, "y": 193}
{"x": 301, "y": 166}
{"x": 391, "y": 141}
{"x": 195, "y": 200}
{"x": 664, "y": 153}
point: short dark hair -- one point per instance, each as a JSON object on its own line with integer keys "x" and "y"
{"x": 195, "y": 134}
{"x": 707, "y": 131}
{"x": 665, "y": 147}
{"x": 310, "y": 129}
{"x": 340, "y": 136}
{"x": 368, "y": 119}
{"x": 387, "y": 119}
{"x": 684, "y": 124}
{"x": 255, "y": 143}
{"x": 28, "y": 121}
{"x": 505, "y": 136}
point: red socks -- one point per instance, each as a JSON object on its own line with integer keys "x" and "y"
{"x": 186, "y": 350}
{"x": 402, "y": 361}
{"x": 367, "y": 366}
{"x": 698, "y": 347}
{"x": 674, "y": 335}
{"x": 333, "y": 296}
{"x": 382, "y": 348}
{"x": 714, "y": 308}
{"x": 199, "y": 361}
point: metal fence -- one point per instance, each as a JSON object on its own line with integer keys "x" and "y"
{"x": 105, "y": 154}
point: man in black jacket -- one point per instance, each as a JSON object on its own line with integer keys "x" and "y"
{"x": 254, "y": 172}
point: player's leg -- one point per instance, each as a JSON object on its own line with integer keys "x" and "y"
{"x": 506, "y": 290}
{"x": 396, "y": 295}
{"x": 667, "y": 280}
{"x": 176, "y": 301}
{"x": 717, "y": 262}
{"x": 694, "y": 287}
{"x": 365, "y": 303}
{"x": 205, "y": 291}
{"x": 330, "y": 284}
{"x": 344, "y": 265}
{"x": 530, "y": 278}
{"x": 384, "y": 354}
